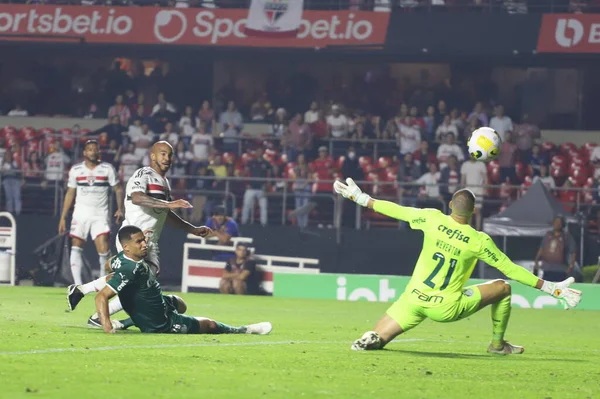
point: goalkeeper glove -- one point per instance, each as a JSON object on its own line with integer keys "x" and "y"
{"x": 561, "y": 290}
{"x": 351, "y": 191}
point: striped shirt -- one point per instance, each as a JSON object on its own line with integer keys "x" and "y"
{"x": 93, "y": 188}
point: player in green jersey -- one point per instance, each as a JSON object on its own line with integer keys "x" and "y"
{"x": 142, "y": 298}
{"x": 451, "y": 248}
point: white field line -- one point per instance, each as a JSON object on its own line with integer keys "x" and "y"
{"x": 169, "y": 346}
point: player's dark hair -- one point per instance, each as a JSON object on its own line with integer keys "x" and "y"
{"x": 463, "y": 202}
{"x": 127, "y": 232}
{"x": 89, "y": 142}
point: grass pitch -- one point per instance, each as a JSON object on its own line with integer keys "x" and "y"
{"x": 46, "y": 352}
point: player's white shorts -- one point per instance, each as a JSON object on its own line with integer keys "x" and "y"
{"x": 94, "y": 226}
{"x": 153, "y": 255}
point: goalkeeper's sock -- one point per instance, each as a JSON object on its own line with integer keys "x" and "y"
{"x": 227, "y": 329}
{"x": 500, "y": 316}
{"x": 94, "y": 286}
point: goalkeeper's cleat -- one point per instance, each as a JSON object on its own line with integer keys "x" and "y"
{"x": 263, "y": 328}
{"x": 369, "y": 341}
{"x": 506, "y": 349}
{"x": 74, "y": 296}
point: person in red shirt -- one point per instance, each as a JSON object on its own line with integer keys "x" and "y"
{"x": 324, "y": 162}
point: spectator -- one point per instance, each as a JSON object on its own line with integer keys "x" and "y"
{"x": 162, "y": 117}
{"x": 507, "y": 159}
{"x": 279, "y": 126}
{"x": 430, "y": 124}
{"x": 525, "y": 133}
{"x": 202, "y": 144}
{"x": 131, "y": 161}
{"x": 201, "y": 199}
{"x": 441, "y": 112}
{"x": 181, "y": 160}
{"x": 543, "y": 176}
{"x": 256, "y": 168}
{"x": 302, "y": 189}
{"x": 555, "y": 259}
{"x": 33, "y": 168}
{"x": 474, "y": 177}
{"x": 112, "y": 154}
{"x": 446, "y": 127}
{"x": 319, "y": 130}
{"x": 163, "y": 105}
{"x": 12, "y": 180}
{"x": 449, "y": 148}
{"x": 113, "y": 131}
{"x": 350, "y": 166}
{"x": 240, "y": 274}
{"x": 501, "y": 123}
{"x": 312, "y": 115}
{"x": 431, "y": 189}
{"x": 220, "y": 172}
{"x": 479, "y": 114}
{"x": 337, "y": 123}
{"x": 120, "y": 111}
{"x": 324, "y": 162}
{"x": 536, "y": 159}
{"x": 187, "y": 123}
{"x": 56, "y": 165}
{"x": 231, "y": 125}
{"x": 297, "y": 139}
{"x": 415, "y": 120}
{"x": 258, "y": 112}
{"x": 169, "y": 135}
{"x": 207, "y": 115}
{"x": 457, "y": 120}
{"x": 424, "y": 156}
{"x": 142, "y": 115}
{"x": 224, "y": 228}
{"x": 408, "y": 173}
{"x": 18, "y": 111}
{"x": 449, "y": 178}
{"x": 135, "y": 130}
{"x": 143, "y": 141}
{"x": 408, "y": 137}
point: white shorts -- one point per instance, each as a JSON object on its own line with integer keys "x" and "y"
{"x": 153, "y": 255}
{"x": 93, "y": 226}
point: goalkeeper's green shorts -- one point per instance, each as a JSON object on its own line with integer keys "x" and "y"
{"x": 408, "y": 313}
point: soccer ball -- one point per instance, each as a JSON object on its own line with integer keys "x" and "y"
{"x": 484, "y": 144}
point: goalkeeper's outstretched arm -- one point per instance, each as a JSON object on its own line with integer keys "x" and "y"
{"x": 351, "y": 191}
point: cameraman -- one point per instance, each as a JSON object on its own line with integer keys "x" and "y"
{"x": 239, "y": 276}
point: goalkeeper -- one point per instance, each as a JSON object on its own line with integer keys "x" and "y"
{"x": 451, "y": 248}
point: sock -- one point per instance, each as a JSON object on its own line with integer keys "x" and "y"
{"x": 102, "y": 258}
{"x": 114, "y": 306}
{"x": 500, "y": 316}
{"x": 93, "y": 286}
{"x": 226, "y": 329}
{"x": 76, "y": 264}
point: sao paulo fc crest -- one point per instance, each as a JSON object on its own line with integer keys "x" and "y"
{"x": 275, "y": 9}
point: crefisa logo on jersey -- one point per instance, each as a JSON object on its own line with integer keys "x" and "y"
{"x": 274, "y": 9}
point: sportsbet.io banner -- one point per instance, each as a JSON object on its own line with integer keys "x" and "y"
{"x": 191, "y": 26}
{"x": 372, "y": 288}
{"x": 569, "y": 33}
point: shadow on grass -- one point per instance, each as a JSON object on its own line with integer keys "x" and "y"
{"x": 446, "y": 355}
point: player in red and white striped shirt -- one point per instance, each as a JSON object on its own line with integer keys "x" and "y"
{"x": 89, "y": 187}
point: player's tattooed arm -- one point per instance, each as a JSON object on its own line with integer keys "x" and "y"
{"x": 175, "y": 221}
{"x": 141, "y": 199}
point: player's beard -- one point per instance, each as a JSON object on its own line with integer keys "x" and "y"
{"x": 95, "y": 160}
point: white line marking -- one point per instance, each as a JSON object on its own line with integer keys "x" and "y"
{"x": 170, "y": 346}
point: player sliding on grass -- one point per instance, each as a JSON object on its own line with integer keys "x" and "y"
{"x": 142, "y": 298}
{"x": 436, "y": 290}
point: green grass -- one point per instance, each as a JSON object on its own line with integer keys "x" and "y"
{"x": 46, "y": 352}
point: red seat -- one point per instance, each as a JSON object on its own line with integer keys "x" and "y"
{"x": 559, "y": 160}
{"x": 228, "y": 157}
{"x": 8, "y": 130}
{"x": 578, "y": 176}
{"x": 27, "y": 133}
{"x": 588, "y": 148}
{"x": 365, "y": 163}
{"x": 520, "y": 170}
{"x": 383, "y": 162}
{"x": 67, "y": 138}
{"x": 246, "y": 157}
{"x": 565, "y": 148}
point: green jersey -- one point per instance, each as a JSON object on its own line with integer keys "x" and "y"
{"x": 140, "y": 294}
{"x": 449, "y": 254}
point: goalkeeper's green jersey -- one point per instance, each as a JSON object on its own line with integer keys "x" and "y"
{"x": 450, "y": 252}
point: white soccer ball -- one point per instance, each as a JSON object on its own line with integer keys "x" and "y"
{"x": 484, "y": 144}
